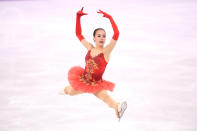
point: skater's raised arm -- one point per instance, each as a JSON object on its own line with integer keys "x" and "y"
{"x": 79, "y": 31}
{"x": 114, "y": 39}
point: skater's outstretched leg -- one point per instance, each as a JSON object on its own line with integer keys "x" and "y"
{"x": 103, "y": 95}
{"x": 69, "y": 91}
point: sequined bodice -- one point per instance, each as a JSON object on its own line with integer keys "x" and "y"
{"x": 94, "y": 68}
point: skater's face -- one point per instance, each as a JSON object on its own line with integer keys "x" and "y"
{"x": 100, "y": 37}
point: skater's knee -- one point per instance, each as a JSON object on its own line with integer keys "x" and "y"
{"x": 70, "y": 91}
{"x": 71, "y": 94}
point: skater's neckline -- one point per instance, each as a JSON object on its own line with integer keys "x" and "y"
{"x": 99, "y": 54}
{"x": 96, "y": 55}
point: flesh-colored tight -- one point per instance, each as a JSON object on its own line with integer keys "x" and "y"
{"x": 102, "y": 95}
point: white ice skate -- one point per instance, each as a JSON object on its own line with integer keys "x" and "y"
{"x": 121, "y": 109}
{"x": 61, "y": 91}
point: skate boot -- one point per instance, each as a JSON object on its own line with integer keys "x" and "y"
{"x": 121, "y": 109}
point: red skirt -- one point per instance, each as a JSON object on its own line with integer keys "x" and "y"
{"x": 77, "y": 85}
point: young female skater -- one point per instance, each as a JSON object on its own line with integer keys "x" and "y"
{"x": 89, "y": 80}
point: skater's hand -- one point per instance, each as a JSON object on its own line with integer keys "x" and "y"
{"x": 81, "y": 13}
{"x": 104, "y": 14}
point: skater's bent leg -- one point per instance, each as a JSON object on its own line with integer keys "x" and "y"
{"x": 103, "y": 95}
{"x": 70, "y": 91}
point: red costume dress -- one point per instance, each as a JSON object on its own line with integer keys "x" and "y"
{"x": 90, "y": 79}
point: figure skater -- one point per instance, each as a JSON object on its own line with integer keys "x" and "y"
{"x": 89, "y": 80}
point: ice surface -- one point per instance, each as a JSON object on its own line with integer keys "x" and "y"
{"x": 154, "y": 65}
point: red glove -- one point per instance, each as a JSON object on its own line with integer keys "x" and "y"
{"x": 78, "y": 24}
{"x": 114, "y": 26}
